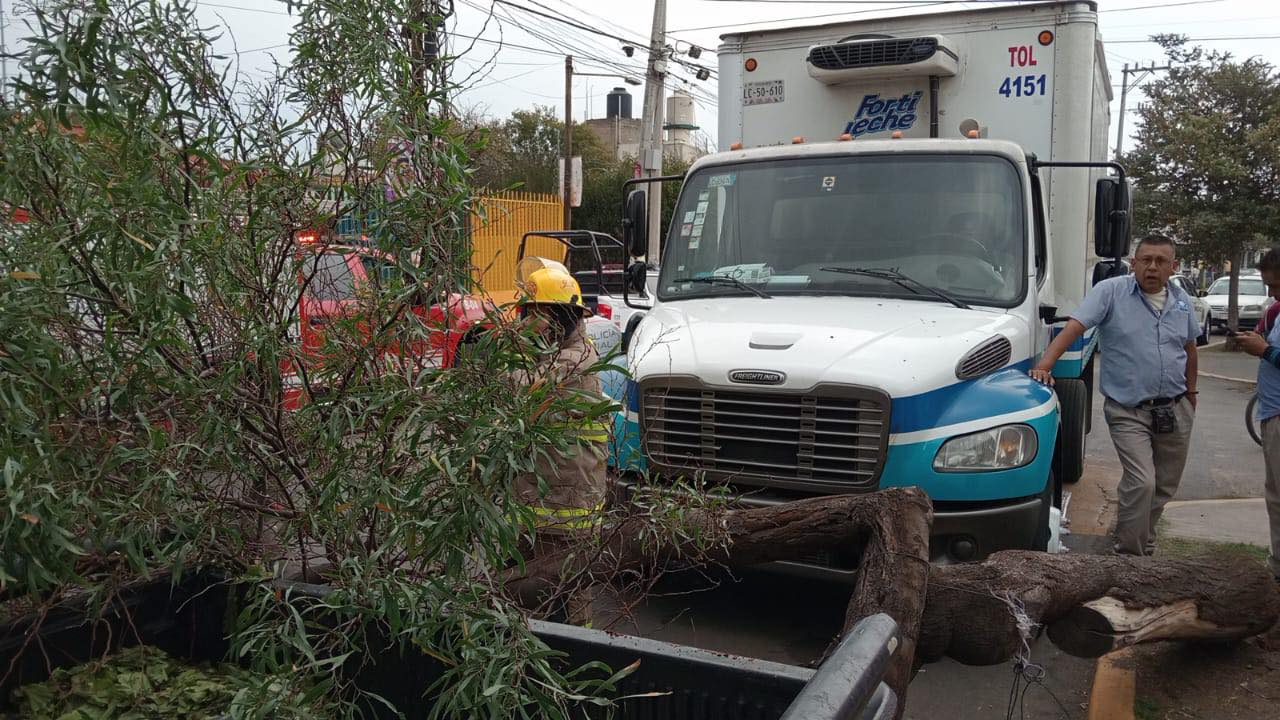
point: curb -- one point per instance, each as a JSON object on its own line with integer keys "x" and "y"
{"x": 1248, "y": 381}
{"x": 1114, "y": 687}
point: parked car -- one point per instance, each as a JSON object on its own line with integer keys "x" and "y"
{"x": 1252, "y": 299}
{"x": 334, "y": 274}
{"x": 1198, "y": 304}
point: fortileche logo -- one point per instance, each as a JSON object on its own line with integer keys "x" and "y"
{"x": 877, "y": 114}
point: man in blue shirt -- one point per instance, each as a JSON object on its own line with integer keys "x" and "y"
{"x": 1148, "y": 334}
{"x": 1268, "y": 349}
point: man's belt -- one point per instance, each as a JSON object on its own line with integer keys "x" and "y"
{"x": 1159, "y": 402}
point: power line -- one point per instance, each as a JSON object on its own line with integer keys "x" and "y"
{"x": 870, "y": 2}
{"x": 264, "y": 11}
{"x": 1220, "y": 38}
{"x": 807, "y": 17}
{"x": 571, "y": 23}
{"x": 1162, "y": 6}
{"x": 908, "y": 6}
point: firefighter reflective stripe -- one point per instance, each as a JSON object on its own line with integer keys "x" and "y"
{"x": 568, "y": 518}
{"x": 588, "y": 431}
{"x": 594, "y": 432}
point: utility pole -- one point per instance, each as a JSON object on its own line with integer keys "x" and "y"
{"x": 651, "y": 123}
{"x": 1124, "y": 91}
{"x": 568, "y": 142}
{"x": 4, "y": 57}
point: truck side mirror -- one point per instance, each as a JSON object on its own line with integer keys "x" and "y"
{"x": 637, "y": 277}
{"x": 1106, "y": 269}
{"x": 634, "y": 281}
{"x": 635, "y": 224}
{"x": 1112, "y": 218}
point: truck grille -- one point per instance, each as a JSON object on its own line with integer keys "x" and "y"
{"x": 832, "y": 438}
{"x": 870, "y": 53}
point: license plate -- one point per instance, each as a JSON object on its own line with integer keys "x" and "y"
{"x": 762, "y": 93}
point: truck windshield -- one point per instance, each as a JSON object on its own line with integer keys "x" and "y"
{"x": 954, "y": 223}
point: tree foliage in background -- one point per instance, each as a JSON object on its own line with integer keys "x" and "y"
{"x": 524, "y": 150}
{"x": 148, "y": 343}
{"x": 602, "y": 195}
{"x": 1207, "y": 158}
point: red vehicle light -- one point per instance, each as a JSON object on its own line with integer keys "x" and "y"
{"x": 603, "y": 310}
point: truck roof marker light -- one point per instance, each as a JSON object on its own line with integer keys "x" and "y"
{"x": 1046, "y": 37}
{"x": 797, "y": 140}
{"x": 751, "y": 65}
{"x": 973, "y": 134}
{"x": 736, "y": 146}
{"x": 306, "y": 239}
{"x": 897, "y": 135}
{"x": 845, "y": 137}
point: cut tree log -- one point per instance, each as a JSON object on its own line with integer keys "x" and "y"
{"x": 977, "y": 613}
{"x": 1091, "y": 604}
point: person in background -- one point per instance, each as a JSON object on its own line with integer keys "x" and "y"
{"x": 566, "y": 491}
{"x": 1149, "y": 379}
{"x": 575, "y": 479}
{"x": 1265, "y": 344}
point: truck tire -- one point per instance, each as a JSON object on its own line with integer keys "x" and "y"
{"x": 1068, "y": 454}
{"x": 1040, "y": 541}
{"x": 1089, "y": 380}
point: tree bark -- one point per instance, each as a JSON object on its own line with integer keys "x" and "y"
{"x": 1091, "y": 604}
{"x": 977, "y": 613}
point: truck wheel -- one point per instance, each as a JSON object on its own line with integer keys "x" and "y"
{"x": 1041, "y": 539}
{"x": 1068, "y": 455}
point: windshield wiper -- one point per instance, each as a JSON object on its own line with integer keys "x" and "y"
{"x": 899, "y": 278}
{"x": 725, "y": 279}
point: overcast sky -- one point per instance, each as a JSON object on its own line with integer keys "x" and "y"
{"x": 507, "y": 78}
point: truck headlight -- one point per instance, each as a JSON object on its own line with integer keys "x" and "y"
{"x": 1000, "y": 448}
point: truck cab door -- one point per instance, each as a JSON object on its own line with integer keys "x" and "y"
{"x": 1043, "y": 287}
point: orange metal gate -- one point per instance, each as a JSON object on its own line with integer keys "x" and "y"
{"x": 497, "y": 224}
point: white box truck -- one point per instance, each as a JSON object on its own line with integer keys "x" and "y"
{"x": 853, "y": 288}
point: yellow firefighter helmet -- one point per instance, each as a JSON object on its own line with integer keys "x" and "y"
{"x": 547, "y": 282}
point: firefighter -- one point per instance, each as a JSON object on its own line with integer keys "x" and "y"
{"x": 575, "y": 478}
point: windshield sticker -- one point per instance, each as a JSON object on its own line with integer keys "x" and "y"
{"x": 695, "y": 234}
{"x": 702, "y": 207}
{"x": 724, "y": 180}
{"x": 829, "y": 183}
{"x": 688, "y": 217}
{"x": 685, "y": 229}
{"x": 749, "y": 272}
{"x": 700, "y": 219}
{"x": 703, "y": 195}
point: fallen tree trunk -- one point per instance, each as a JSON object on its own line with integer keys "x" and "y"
{"x": 893, "y": 523}
{"x": 977, "y": 613}
{"x": 1092, "y": 604}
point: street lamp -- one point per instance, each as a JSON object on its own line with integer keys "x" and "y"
{"x": 568, "y": 130}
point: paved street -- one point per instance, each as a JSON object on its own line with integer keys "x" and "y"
{"x": 791, "y": 620}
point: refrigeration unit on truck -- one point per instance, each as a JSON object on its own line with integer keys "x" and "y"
{"x": 853, "y": 288}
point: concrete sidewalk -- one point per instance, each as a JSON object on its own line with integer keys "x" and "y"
{"x": 1231, "y": 521}
{"x": 1217, "y": 362}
